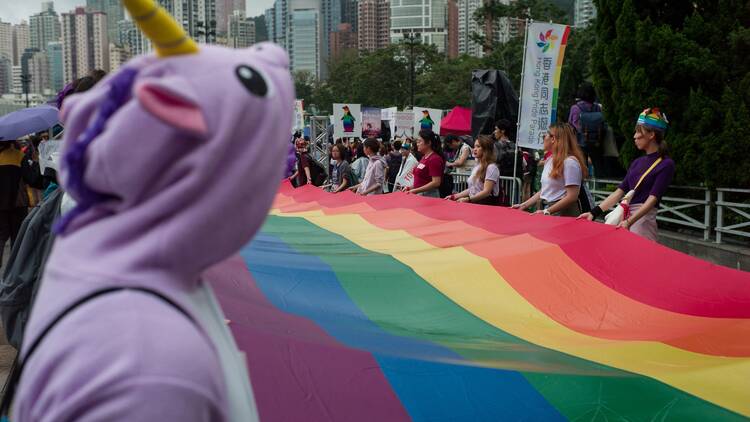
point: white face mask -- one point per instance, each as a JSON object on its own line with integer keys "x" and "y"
{"x": 333, "y": 161}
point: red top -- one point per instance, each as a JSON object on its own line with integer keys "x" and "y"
{"x": 429, "y": 166}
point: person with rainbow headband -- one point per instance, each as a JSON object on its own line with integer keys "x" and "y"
{"x": 646, "y": 181}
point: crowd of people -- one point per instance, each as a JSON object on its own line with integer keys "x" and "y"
{"x": 22, "y": 183}
{"x": 426, "y": 164}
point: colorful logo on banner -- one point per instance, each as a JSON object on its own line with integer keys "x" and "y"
{"x": 546, "y": 41}
{"x": 541, "y": 82}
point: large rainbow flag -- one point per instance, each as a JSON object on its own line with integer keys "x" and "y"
{"x": 398, "y": 307}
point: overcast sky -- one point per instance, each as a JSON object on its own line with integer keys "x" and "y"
{"x": 16, "y": 10}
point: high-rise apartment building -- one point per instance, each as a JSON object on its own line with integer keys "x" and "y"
{"x": 224, "y": 10}
{"x": 342, "y": 41}
{"x": 330, "y": 12}
{"x": 349, "y": 13}
{"x": 269, "y": 16}
{"x": 21, "y": 41}
{"x": 303, "y": 37}
{"x": 240, "y": 30}
{"x": 452, "y": 48}
{"x": 16, "y": 80}
{"x": 198, "y": 17}
{"x": 85, "y": 42}
{"x": 424, "y": 18}
{"x": 35, "y": 66}
{"x": 373, "y": 24}
{"x": 118, "y": 56}
{"x": 6, "y": 41}
{"x": 583, "y": 13}
{"x": 44, "y": 27}
{"x": 114, "y": 11}
{"x": 131, "y": 37}
{"x": 6, "y": 75}
{"x": 280, "y": 22}
{"x": 56, "y": 67}
{"x": 468, "y": 25}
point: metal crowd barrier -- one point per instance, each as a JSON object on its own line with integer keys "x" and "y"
{"x": 461, "y": 183}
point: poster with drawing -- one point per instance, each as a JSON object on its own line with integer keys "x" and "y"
{"x": 427, "y": 119}
{"x": 347, "y": 120}
{"x": 389, "y": 115}
{"x": 404, "y": 124}
{"x": 371, "y": 122}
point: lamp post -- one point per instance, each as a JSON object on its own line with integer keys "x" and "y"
{"x": 411, "y": 40}
{"x": 25, "y": 81}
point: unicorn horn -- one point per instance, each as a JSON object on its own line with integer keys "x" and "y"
{"x": 165, "y": 33}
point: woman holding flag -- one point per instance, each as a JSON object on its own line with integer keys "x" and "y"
{"x": 646, "y": 181}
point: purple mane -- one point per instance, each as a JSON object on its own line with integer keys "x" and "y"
{"x": 75, "y": 158}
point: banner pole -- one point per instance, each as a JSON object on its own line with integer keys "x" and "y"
{"x": 518, "y": 118}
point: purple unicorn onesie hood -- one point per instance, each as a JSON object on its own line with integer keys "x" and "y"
{"x": 173, "y": 162}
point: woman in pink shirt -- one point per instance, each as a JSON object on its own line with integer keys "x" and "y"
{"x": 429, "y": 172}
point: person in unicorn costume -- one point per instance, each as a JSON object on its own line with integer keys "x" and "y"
{"x": 160, "y": 158}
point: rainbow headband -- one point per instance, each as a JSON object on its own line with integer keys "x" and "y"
{"x": 654, "y": 119}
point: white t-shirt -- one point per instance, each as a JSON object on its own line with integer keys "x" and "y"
{"x": 554, "y": 189}
{"x": 492, "y": 173}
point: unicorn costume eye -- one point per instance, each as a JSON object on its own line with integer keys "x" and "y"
{"x": 252, "y": 80}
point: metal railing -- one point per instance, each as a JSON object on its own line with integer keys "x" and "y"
{"x": 692, "y": 207}
{"x": 736, "y": 209}
{"x": 461, "y": 183}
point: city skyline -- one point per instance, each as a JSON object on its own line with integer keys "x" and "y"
{"x": 16, "y": 12}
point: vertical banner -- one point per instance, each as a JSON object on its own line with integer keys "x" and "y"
{"x": 299, "y": 115}
{"x": 404, "y": 124}
{"x": 347, "y": 121}
{"x": 545, "y": 50}
{"x": 389, "y": 115}
{"x": 371, "y": 122}
{"x": 427, "y": 118}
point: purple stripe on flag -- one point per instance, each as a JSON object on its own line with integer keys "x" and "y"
{"x": 298, "y": 372}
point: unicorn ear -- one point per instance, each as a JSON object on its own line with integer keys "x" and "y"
{"x": 172, "y": 101}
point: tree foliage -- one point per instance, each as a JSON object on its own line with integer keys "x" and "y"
{"x": 693, "y": 60}
{"x": 378, "y": 79}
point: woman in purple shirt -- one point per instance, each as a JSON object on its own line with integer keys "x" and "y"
{"x": 649, "y": 137}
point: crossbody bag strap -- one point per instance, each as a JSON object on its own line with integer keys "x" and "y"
{"x": 15, "y": 376}
{"x": 647, "y": 172}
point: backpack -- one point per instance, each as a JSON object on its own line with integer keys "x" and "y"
{"x": 593, "y": 127}
{"x": 504, "y": 156}
{"x": 585, "y": 199}
{"x": 317, "y": 173}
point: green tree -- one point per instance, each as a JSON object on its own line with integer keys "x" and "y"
{"x": 380, "y": 78}
{"x": 448, "y": 84}
{"x": 691, "y": 59}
